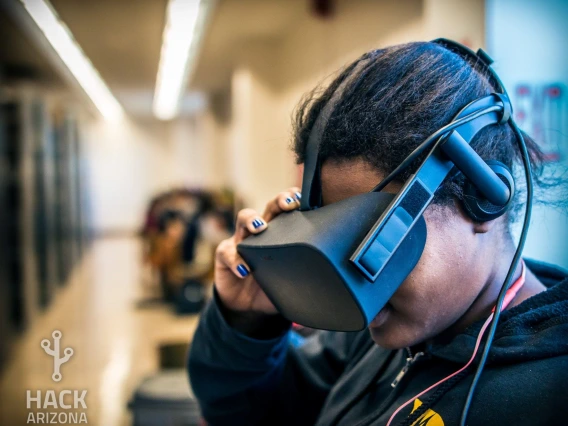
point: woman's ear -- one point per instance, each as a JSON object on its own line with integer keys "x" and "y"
{"x": 484, "y": 227}
{"x": 477, "y": 227}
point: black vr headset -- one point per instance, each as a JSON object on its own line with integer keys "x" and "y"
{"x": 335, "y": 267}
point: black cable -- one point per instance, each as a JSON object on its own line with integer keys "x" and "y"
{"x": 512, "y": 269}
{"x": 429, "y": 141}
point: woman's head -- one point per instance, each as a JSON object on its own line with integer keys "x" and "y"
{"x": 392, "y": 104}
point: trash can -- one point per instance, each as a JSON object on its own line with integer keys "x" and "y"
{"x": 165, "y": 399}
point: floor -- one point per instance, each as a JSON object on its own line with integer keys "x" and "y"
{"x": 115, "y": 343}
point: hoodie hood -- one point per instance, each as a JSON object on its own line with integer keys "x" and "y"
{"x": 532, "y": 330}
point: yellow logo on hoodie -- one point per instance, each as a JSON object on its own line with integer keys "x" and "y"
{"x": 429, "y": 418}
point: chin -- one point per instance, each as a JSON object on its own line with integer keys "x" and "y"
{"x": 387, "y": 337}
{"x": 386, "y": 331}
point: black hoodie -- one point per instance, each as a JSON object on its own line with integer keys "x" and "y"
{"x": 346, "y": 379}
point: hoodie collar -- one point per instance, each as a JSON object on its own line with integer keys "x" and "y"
{"x": 535, "y": 329}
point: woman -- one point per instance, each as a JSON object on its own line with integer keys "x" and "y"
{"x": 244, "y": 372}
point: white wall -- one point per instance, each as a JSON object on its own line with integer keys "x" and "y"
{"x": 527, "y": 39}
{"x": 129, "y": 162}
{"x": 123, "y": 162}
{"x": 260, "y": 163}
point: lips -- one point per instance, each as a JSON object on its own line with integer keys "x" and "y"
{"x": 381, "y": 317}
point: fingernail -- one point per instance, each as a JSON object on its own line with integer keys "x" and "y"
{"x": 242, "y": 270}
{"x": 257, "y": 223}
{"x": 298, "y": 195}
{"x": 289, "y": 200}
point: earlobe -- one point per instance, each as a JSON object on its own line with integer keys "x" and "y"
{"x": 478, "y": 227}
{"x": 483, "y": 227}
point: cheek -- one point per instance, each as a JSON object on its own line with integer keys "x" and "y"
{"x": 434, "y": 295}
{"x": 435, "y": 279}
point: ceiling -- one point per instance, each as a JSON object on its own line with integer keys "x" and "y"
{"x": 235, "y": 23}
{"x": 122, "y": 38}
{"x": 20, "y": 59}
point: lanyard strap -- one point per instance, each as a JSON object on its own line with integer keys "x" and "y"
{"x": 514, "y": 289}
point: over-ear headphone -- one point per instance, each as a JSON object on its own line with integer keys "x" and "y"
{"x": 477, "y": 206}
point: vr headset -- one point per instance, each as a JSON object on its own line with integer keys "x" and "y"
{"x": 335, "y": 267}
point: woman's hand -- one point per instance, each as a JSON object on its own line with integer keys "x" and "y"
{"x": 235, "y": 285}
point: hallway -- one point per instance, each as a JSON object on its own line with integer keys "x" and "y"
{"x": 115, "y": 343}
{"x": 133, "y": 132}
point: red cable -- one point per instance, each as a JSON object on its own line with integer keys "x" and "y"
{"x": 510, "y": 295}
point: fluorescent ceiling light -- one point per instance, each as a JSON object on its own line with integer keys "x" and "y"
{"x": 178, "y": 35}
{"x": 71, "y": 54}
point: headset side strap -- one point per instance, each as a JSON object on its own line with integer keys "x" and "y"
{"x": 311, "y": 186}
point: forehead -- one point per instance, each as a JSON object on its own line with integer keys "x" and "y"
{"x": 344, "y": 178}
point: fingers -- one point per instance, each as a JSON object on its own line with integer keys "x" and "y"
{"x": 227, "y": 255}
{"x": 285, "y": 201}
{"x": 248, "y": 222}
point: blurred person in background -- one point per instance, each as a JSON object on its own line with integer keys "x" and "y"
{"x": 181, "y": 231}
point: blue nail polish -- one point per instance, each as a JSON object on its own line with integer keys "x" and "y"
{"x": 289, "y": 200}
{"x": 242, "y": 270}
{"x": 257, "y": 223}
{"x": 298, "y": 195}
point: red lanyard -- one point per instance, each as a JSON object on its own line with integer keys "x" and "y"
{"x": 514, "y": 289}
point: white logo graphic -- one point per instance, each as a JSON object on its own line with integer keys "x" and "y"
{"x": 57, "y": 359}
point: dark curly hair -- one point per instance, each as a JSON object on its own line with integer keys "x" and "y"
{"x": 404, "y": 94}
